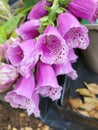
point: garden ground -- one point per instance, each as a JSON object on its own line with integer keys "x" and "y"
{"x": 14, "y": 119}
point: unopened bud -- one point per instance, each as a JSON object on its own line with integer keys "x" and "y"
{"x": 8, "y": 74}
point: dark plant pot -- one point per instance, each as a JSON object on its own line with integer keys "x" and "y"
{"x": 69, "y": 87}
{"x": 91, "y": 53}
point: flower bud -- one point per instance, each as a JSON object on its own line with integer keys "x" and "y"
{"x": 8, "y": 74}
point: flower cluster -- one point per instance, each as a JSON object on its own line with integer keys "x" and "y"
{"x": 44, "y": 49}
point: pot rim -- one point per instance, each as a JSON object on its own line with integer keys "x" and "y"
{"x": 92, "y": 26}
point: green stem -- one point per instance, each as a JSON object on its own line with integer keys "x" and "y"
{"x": 55, "y": 2}
{"x": 4, "y": 17}
{"x": 52, "y": 14}
{"x": 9, "y": 14}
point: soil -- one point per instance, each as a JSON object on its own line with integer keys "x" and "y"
{"x": 16, "y": 119}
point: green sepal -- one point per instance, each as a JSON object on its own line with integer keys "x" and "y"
{"x": 60, "y": 10}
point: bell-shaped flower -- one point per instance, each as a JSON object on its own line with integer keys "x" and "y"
{"x": 75, "y": 34}
{"x": 95, "y": 17}
{"x": 65, "y": 68}
{"x": 29, "y": 29}
{"x": 7, "y": 44}
{"x": 52, "y": 47}
{"x": 23, "y": 55}
{"x": 87, "y": 9}
{"x": 38, "y": 10}
{"x": 47, "y": 84}
{"x": 72, "y": 56}
{"x": 23, "y": 96}
{"x": 8, "y": 75}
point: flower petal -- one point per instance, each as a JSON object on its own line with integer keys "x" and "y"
{"x": 38, "y": 10}
{"x": 24, "y": 56}
{"x": 47, "y": 85}
{"x": 29, "y": 29}
{"x": 83, "y": 9}
{"x": 72, "y": 56}
{"x": 65, "y": 68}
{"x": 23, "y": 96}
{"x": 52, "y": 47}
{"x": 75, "y": 34}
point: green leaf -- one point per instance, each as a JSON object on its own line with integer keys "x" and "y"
{"x": 11, "y": 24}
{"x": 64, "y": 3}
{"x": 28, "y": 3}
{"x": 22, "y": 10}
{"x": 3, "y": 36}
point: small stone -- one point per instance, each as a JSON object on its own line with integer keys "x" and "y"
{"x": 22, "y": 128}
{"x": 14, "y": 128}
{"x": 9, "y": 126}
{"x": 28, "y": 128}
{"x": 45, "y": 128}
{"x": 38, "y": 129}
{"x": 40, "y": 124}
{"x": 21, "y": 115}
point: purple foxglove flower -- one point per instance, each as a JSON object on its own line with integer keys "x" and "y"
{"x": 23, "y": 55}
{"x": 39, "y": 10}
{"x": 72, "y": 56}
{"x": 47, "y": 84}
{"x": 87, "y": 9}
{"x": 75, "y": 34}
{"x": 65, "y": 68}
{"x": 23, "y": 96}
{"x": 7, "y": 44}
{"x": 52, "y": 47}
{"x": 8, "y": 75}
{"x": 29, "y": 29}
{"x": 95, "y": 17}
